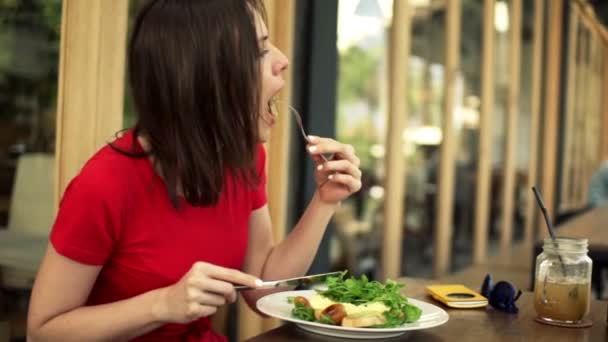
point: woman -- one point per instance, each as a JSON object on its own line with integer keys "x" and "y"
{"x": 159, "y": 225}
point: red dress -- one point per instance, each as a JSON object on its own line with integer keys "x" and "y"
{"x": 117, "y": 213}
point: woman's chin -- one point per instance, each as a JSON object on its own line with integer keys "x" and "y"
{"x": 263, "y": 136}
{"x": 265, "y": 126}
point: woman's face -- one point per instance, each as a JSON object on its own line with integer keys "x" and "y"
{"x": 272, "y": 63}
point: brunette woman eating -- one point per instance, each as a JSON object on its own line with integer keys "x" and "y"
{"x": 159, "y": 225}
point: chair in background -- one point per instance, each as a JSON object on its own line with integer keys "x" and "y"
{"x": 23, "y": 242}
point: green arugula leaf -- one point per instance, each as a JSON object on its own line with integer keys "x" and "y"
{"x": 412, "y": 313}
{"x": 362, "y": 290}
{"x": 303, "y": 312}
{"x": 326, "y": 320}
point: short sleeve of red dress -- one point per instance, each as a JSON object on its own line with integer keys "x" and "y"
{"x": 88, "y": 222}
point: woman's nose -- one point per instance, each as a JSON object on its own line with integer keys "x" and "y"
{"x": 281, "y": 63}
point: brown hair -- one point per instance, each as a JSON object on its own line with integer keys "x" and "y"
{"x": 195, "y": 80}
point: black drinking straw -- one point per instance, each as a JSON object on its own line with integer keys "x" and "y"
{"x": 541, "y": 204}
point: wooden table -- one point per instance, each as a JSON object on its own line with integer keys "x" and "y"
{"x": 473, "y": 325}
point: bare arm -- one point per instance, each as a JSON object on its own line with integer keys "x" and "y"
{"x": 293, "y": 256}
{"x": 57, "y": 311}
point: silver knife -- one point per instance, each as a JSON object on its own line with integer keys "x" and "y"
{"x": 305, "y": 280}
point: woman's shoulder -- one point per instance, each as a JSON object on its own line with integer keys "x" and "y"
{"x": 108, "y": 164}
{"x": 107, "y": 171}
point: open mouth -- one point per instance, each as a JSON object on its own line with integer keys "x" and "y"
{"x": 271, "y": 112}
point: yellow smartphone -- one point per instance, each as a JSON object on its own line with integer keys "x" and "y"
{"x": 457, "y": 296}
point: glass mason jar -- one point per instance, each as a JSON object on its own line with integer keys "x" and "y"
{"x": 562, "y": 289}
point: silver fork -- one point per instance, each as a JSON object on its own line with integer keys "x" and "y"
{"x": 298, "y": 118}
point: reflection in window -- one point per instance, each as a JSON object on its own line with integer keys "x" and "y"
{"x": 522, "y": 158}
{"x": 423, "y": 135}
{"x": 361, "y": 120}
{"x": 29, "y": 59}
{"x": 466, "y": 132}
{"x": 499, "y": 119}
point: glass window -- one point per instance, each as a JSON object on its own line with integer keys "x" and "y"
{"x": 466, "y": 132}
{"x": 522, "y": 191}
{"x": 361, "y": 120}
{"x": 499, "y": 119}
{"x": 423, "y": 135}
{"x": 29, "y": 61}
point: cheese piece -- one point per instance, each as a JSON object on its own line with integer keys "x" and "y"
{"x": 318, "y": 302}
{"x": 363, "y": 321}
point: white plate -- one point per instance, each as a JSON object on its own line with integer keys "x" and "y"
{"x": 276, "y": 305}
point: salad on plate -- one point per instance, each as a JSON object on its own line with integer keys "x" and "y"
{"x": 359, "y": 303}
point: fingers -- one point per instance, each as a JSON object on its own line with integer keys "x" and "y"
{"x": 196, "y": 310}
{"x": 206, "y": 298}
{"x": 227, "y": 274}
{"x": 318, "y": 159}
{"x": 342, "y": 166}
{"x": 353, "y": 184}
{"x": 200, "y": 292}
{"x": 222, "y": 288}
{"x": 320, "y": 146}
{"x": 221, "y": 280}
{"x": 342, "y": 170}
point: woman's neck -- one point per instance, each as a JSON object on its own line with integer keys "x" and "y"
{"x": 145, "y": 145}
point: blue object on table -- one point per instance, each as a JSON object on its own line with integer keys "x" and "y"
{"x": 501, "y": 296}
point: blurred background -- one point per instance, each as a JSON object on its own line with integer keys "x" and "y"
{"x": 455, "y": 107}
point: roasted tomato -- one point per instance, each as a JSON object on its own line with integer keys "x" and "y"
{"x": 301, "y": 300}
{"x": 335, "y": 312}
